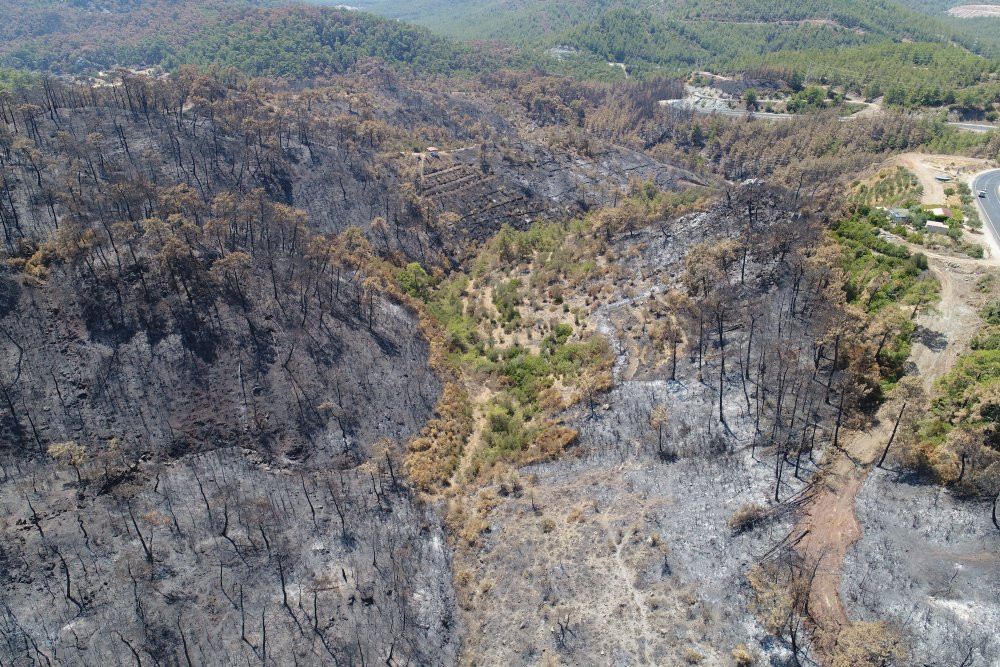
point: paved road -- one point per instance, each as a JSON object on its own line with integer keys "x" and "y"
{"x": 974, "y": 127}
{"x": 686, "y": 104}
{"x": 989, "y": 181}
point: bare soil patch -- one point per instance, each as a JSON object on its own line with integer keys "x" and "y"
{"x": 927, "y": 167}
{"x": 974, "y": 11}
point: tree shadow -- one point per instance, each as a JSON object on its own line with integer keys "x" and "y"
{"x": 10, "y": 294}
{"x": 388, "y": 347}
{"x": 197, "y": 334}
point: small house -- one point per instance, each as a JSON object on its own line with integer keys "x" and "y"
{"x": 935, "y": 227}
{"x": 899, "y": 215}
{"x": 941, "y": 213}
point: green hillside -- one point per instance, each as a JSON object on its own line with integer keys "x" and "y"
{"x": 81, "y": 37}
{"x": 843, "y": 51}
{"x": 257, "y": 37}
{"x": 524, "y": 20}
{"x": 647, "y": 40}
{"x": 916, "y": 58}
{"x": 308, "y": 41}
{"x": 930, "y": 6}
{"x": 516, "y": 21}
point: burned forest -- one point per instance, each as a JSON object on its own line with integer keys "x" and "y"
{"x": 484, "y": 367}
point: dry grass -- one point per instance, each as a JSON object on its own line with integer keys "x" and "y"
{"x": 746, "y": 517}
{"x": 742, "y": 657}
{"x": 434, "y": 455}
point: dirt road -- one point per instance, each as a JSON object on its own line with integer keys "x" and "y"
{"x": 829, "y": 523}
{"x": 926, "y": 167}
{"x": 873, "y": 108}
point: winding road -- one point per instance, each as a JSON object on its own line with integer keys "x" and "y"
{"x": 990, "y": 205}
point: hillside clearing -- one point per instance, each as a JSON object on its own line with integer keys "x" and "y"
{"x": 974, "y": 11}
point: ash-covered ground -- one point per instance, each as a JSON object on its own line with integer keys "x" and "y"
{"x": 930, "y": 563}
{"x": 226, "y": 492}
{"x": 223, "y": 493}
{"x": 243, "y": 548}
{"x": 622, "y": 553}
{"x": 219, "y": 559}
{"x": 617, "y": 557}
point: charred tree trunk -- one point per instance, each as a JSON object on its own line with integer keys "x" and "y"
{"x": 840, "y": 418}
{"x": 996, "y": 500}
{"x": 892, "y": 436}
{"x": 722, "y": 369}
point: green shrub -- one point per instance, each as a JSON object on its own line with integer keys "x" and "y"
{"x": 991, "y": 312}
{"x": 867, "y": 256}
{"x": 507, "y": 297}
{"x": 507, "y": 432}
{"x": 447, "y": 307}
{"x": 975, "y": 251}
{"x": 415, "y": 281}
{"x": 986, "y": 341}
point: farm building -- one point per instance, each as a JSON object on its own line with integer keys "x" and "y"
{"x": 941, "y": 213}
{"x": 935, "y": 227}
{"x": 899, "y": 215}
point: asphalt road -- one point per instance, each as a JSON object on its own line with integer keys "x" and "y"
{"x": 974, "y": 127}
{"x": 989, "y": 181}
{"x": 685, "y": 104}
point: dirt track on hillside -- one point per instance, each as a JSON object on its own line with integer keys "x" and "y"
{"x": 829, "y": 524}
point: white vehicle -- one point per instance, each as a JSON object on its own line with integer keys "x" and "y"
{"x": 982, "y": 193}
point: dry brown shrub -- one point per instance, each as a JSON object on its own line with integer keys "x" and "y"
{"x": 865, "y": 643}
{"x": 742, "y": 657}
{"x": 488, "y": 501}
{"x": 549, "y": 444}
{"x": 434, "y": 455}
{"x": 746, "y": 517}
{"x": 693, "y": 657}
{"x": 773, "y": 601}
